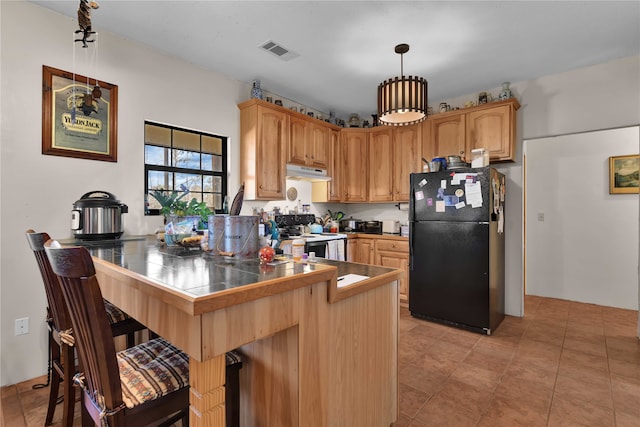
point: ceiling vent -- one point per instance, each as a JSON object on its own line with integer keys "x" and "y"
{"x": 278, "y": 50}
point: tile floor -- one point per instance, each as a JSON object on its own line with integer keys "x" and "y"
{"x": 563, "y": 364}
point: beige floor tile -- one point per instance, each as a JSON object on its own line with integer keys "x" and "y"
{"x": 411, "y": 400}
{"x": 626, "y": 395}
{"x": 507, "y": 412}
{"x": 577, "y": 413}
{"x": 584, "y": 390}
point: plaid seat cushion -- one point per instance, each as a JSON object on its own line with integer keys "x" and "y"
{"x": 151, "y": 370}
{"x": 114, "y": 314}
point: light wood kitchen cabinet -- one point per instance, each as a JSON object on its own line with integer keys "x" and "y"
{"x": 365, "y": 251}
{"x": 308, "y": 142}
{"x": 354, "y": 165}
{"x": 264, "y": 135}
{"x": 491, "y": 126}
{"x": 395, "y": 254}
{"x": 330, "y": 191}
{"x": 381, "y": 164}
{"x": 407, "y": 158}
{"x": 394, "y": 153}
{"x": 445, "y": 136}
{"x": 318, "y": 148}
{"x": 494, "y": 128}
{"x": 352, "y": 245}
{"x": 297, "y": 151}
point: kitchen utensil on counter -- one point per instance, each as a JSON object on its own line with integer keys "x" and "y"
{"x": 236, "y": 206}
{"x": 425, "y": 165}
{"x": 97, "y": 215}
{"x": 336, "y": 216}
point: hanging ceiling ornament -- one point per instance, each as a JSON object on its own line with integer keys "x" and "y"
{"x": 84, "y": 21}
{"x": 402, "y": 100}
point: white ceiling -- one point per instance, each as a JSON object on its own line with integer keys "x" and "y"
{"x": 346, "y": 48}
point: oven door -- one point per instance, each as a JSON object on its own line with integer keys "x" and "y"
{"x": 320, "y": 248}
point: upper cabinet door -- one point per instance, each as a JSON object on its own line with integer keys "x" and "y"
{"x": 446, "y": 136}
{"x": 270, "y": 148}
{"x": 354, "y": 165}
{"x": 319, "y": 146}
{"x": 493, "y": 129}
{"x": 297, "y": 152}
{"x": 308, "y": 143}
{"x": 381, "y": 163}
{"x": 407, "y": 155}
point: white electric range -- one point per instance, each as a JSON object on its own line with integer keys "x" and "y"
{"x": 326, "y": 245}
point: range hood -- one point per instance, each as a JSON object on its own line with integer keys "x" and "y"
{"x": 307, "y": 173}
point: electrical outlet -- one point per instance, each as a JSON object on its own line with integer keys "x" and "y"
{"x": 22, "y": 326}
{"x": 540, "y": 216}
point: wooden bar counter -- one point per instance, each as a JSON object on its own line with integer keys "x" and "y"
{"x": 316, "y": 354}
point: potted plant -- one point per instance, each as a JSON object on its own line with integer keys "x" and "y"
{"x": 181, "y": 217}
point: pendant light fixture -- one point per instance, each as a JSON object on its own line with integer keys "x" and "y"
{"x": 402, "y": 100}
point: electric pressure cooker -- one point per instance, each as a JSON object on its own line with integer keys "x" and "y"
{"x": 97, "y": 215}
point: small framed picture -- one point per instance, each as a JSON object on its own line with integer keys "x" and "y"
{"x": 278, "y": 102}
{"x": 623, "y": 174}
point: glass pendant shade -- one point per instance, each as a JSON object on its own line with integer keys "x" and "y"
{"x": 402, "y": 100}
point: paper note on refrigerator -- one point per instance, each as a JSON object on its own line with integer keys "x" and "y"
{"x": 463, "y": 177}
{"x": 474, "y": 194}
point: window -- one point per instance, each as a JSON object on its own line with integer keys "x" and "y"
{"x": 179, "y": 159}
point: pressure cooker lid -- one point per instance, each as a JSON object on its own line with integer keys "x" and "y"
{"x": 99, "y": 199}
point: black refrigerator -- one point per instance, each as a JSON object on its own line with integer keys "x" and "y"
{"x": 456, "y": 238}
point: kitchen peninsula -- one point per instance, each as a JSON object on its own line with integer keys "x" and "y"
{"x": 316, "y": 354}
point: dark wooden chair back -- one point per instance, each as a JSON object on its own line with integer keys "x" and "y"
{"x": 59, "y": 315}
{"x": 93, "y": 335}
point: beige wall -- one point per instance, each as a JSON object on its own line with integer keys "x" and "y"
{"x": 38, "y": 191}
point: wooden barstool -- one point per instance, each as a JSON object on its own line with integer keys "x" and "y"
{"x": 61, "y": 351}
{"x": 142, "y": 385}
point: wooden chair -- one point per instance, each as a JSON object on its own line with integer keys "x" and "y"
{"x": 138, "y": 386}
{"x": 61, "y": 351}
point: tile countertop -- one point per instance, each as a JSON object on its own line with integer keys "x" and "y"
{"x": 204, "y": 281}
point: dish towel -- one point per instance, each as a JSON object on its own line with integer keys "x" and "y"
{"x": 335, "y": 250}
{"x": 341, "y": 244}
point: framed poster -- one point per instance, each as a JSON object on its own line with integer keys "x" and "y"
{"x": 623, "y": 174}
{"x": 79, "y": 116}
